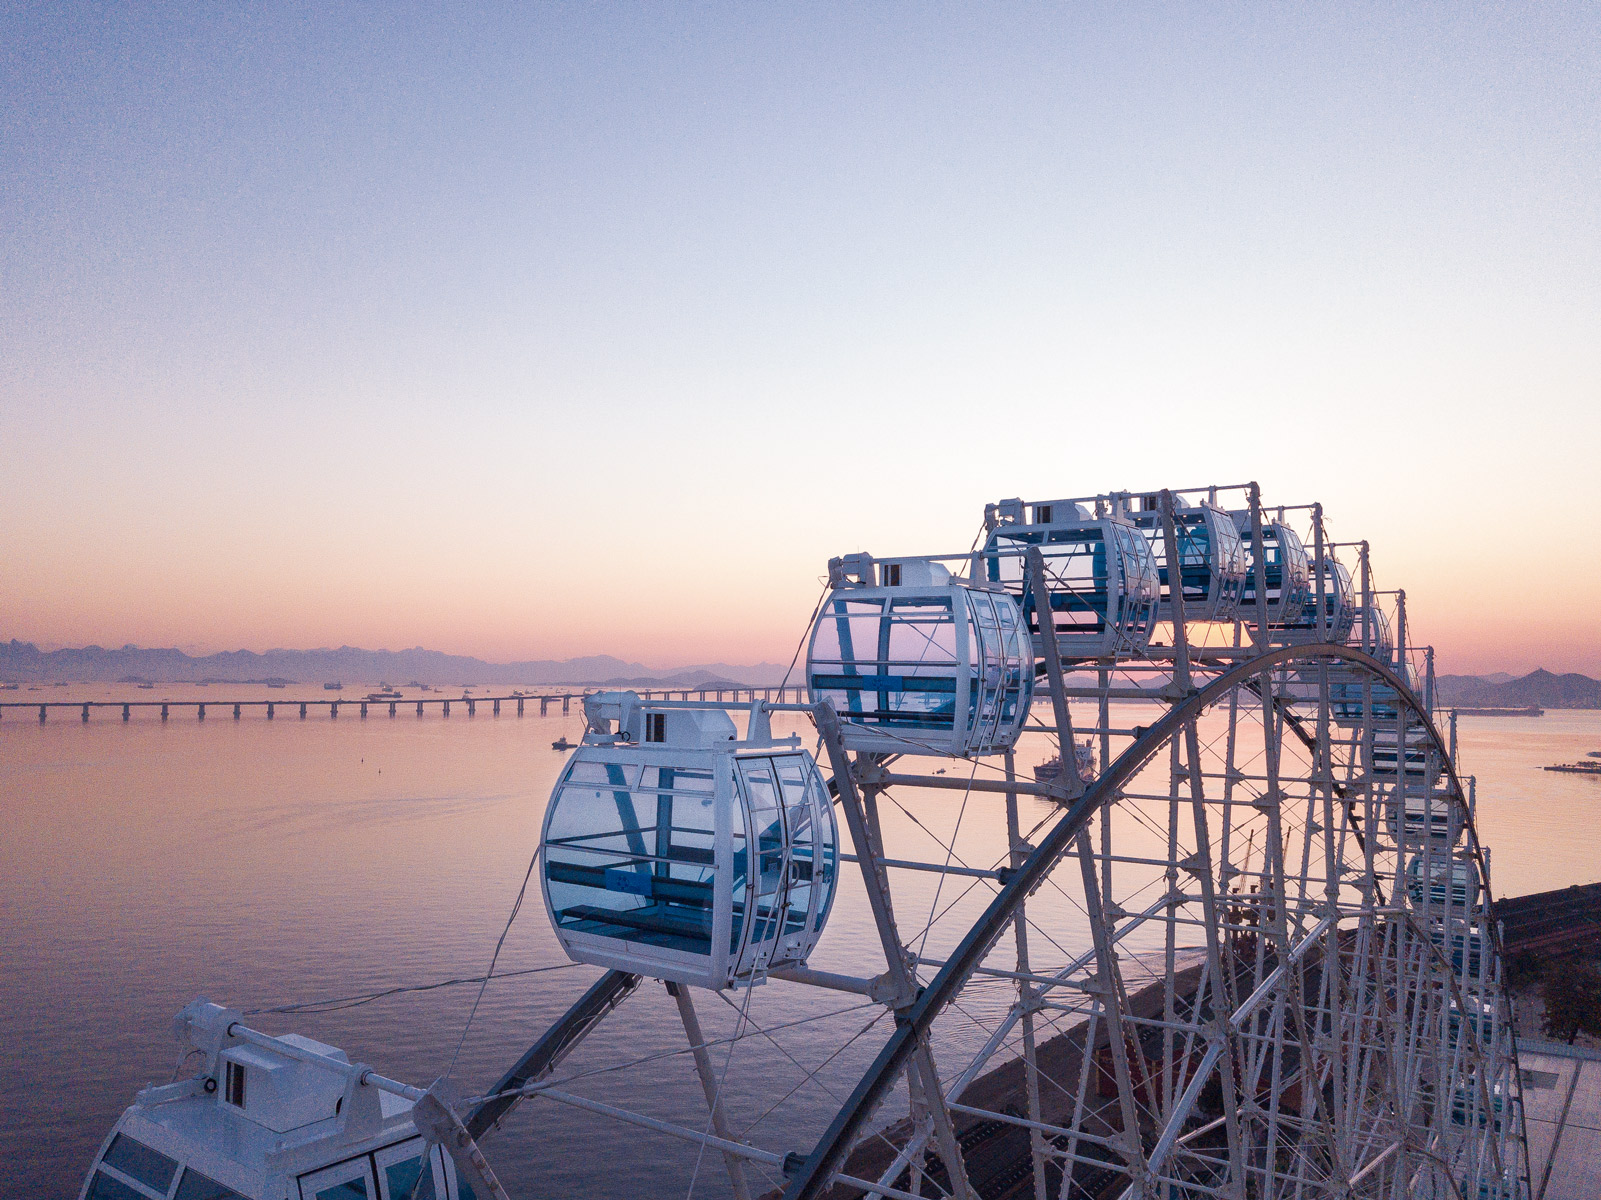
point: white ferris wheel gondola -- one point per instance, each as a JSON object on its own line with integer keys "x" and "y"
{"x": 1099, "y": 571}
{"x": 676, "y": 851}
{"x": 1441, "y": 882}
{"x": 272, "y": 1118}
{"x": 1212, "y": 559}
{"x": 1287, "y": 573}
{"x": 1339, "y": 609}
{"x": 1419, "y": 816}
{"x": 1353, "y": 702}
{"x": 917, "y": 661}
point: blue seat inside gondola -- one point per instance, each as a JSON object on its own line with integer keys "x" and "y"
{"x": 887, "y": 699}
{"x": 618, "y": 874}
{"x": 1197, "y": 564}
{"x": 1076, "y": 575}
{"x": 662, "y": 911}
{"x": 645, "y": 902}
{"x": 903, "y": 678}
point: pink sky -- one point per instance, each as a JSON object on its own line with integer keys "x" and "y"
{"x": 581, "y": 331}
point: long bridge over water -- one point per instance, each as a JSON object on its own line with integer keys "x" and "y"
{"x": 727, "y": 694}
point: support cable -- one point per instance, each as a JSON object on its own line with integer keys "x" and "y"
{"x": 494, "y": 958}
{"x": 340, "y": 1003}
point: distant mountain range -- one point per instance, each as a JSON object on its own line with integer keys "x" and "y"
{"x": 1504, "y": 691}
{"x": 23, "y": 662}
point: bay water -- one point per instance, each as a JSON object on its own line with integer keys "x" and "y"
{"x": 263, "y": 863}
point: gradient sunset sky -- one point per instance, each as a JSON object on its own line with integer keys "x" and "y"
{"x": 536, "y": 331}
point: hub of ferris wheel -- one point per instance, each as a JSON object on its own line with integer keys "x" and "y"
{"x": 1233, "y": 940}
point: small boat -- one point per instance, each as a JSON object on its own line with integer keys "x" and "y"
{"x": 1578, "y": 768}
{"x": 145, "y": 687}
{"x": 386, "y": 694}
{"x": 1050, "y": 770}
{"x": 562, "y": 743}
{"x": 1590, "y": 754}
{"x": 274, "y": 683}
{"x": 333, "y": 687}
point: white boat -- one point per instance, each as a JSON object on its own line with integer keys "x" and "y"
{"x": 1083, "y": 758}
{"x": 282, "y": 1118}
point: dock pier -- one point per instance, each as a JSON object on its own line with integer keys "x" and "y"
{"x": 443, "y": 703}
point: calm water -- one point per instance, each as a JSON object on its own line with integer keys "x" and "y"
{"x": 265, "y": 863}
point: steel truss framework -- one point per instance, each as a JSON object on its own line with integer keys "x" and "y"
{"x": 1251, "y": 959}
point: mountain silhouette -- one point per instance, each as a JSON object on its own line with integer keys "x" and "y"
{"x": 24, "y": 662}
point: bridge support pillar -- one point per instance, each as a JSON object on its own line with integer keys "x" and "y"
{"x": 200, "y": 712}
{"x": 519, "y": 706}
{"x": 544, "y": 705}
{"x": 86, "y": 713}
{"x": 565, "y": 701}
{"x": 270, "y": 707}
{"x": 41, "y": 714}
{"x": 363, "y": 710}
{"x": 446, "y": 706}
{"x": 125, "y": 712}
{"x": 163, "y": 713}
{"x": 235, "y": 712}
{"x": 391, "y": 708}
{"x": 419, "y": 708}
{"x": 333, "y": 710}
{"x": 497, "y": 708}
{"x": 472, "y": 708}
{"x": 302, "y": 712}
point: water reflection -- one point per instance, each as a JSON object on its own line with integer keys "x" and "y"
{"x": 262, "y": 863}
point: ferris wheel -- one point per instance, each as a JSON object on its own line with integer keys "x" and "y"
{"x": 1232, "y": 938}
{"x": 1248, "y": 955}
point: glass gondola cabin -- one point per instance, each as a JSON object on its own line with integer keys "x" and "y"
{"x": 1212, "y": 559}
{"x": 917, "y": 661}
{"x": 1467, "y": 952}
{"x": 1099, "y": 571}
{"x": 1474, "y": 1018}
{"x": 1339, "y": 610}
{"x": 673, "y": 850}
{"x": 1287, "y": 572}
{"x": 1434, "y": 816}
{"x": 284, "y": 1122}
{"x": 1351, "y": 704}
{"x": 1442, "y": 881}
{"x": 1387, "y": 757}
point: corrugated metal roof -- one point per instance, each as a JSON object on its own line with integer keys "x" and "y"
{"x": 1562, "y": 1098}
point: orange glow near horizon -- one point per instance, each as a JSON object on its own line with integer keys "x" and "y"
{"x": 680, "y": 604}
